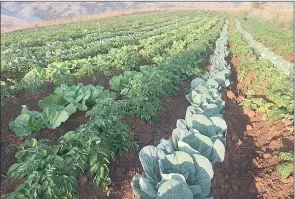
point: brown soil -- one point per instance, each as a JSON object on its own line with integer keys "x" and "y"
{"x": 251, "y": 156}
{"x": 289, "y": 58}
{"x": 95, "y": 80}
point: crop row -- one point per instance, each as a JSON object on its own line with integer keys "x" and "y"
{"x": 271, "y": 91}
{"x": 183, "y": 167}
{"x": 79, "y": 30}
{"x": 89, "y": 37}
{"x": 56, "y": 108}
{"x": 282, "y": 65}
{"x": 270, "y": 35}
{"x": 145, "y": 88}
{"x": 90, "y": 34}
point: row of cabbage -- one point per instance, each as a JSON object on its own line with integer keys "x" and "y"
{"x": 183, "y": 167}
{"x": 267, "y": 33}
{"x": 278, "y": 61}
{"x": 52, "y": 170}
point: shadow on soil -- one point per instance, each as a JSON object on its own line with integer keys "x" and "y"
{"x": 233, "y": 177}
{"x": 251, "y": 156}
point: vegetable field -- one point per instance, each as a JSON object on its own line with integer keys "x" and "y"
{"x": 165, "y": 104}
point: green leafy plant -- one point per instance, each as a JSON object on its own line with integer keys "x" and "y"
{"x": 286, "y": 164}
{"x": 126, "y": 58}
{"x": 57, "y": 108}
{"x": 193, "y": 171}
{"x": 9, "y": 147}
{"x": 48, "y": 173}
{"x": 27, "y": 122}
{"x": 63, "y": 77}
{"x": 120, "y": 82}
{"x": 142, "y": 90}
{"x": 33, "y": 80}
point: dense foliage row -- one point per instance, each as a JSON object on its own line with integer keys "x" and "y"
{"x": 282, "y": 65}
{"x": 270, "y": 35}
{"x": 18, "y": 60}
{"x": 272, "y": 90}
{"x": 79, "y": 30}
{"x": 182, "y": 168}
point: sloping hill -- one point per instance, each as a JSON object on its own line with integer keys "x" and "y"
{"x": 9, "y": 21}
{"x": 22, "y": 12}
{"x": 35, "y": 11}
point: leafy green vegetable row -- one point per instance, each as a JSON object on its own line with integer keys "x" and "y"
{"x": 183, "y": 168}
{"x": 266, "y": 75}
{"x": 30, "y": 57}
{"x": 274, "y": 90}
{"x": 79, "y": 30}
{"x": 56, "y": 108}
{"x": 60, "y": 50}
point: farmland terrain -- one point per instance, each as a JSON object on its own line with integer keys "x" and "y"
{"x": 191, "y": 104}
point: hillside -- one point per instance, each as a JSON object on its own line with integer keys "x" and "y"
{"x": 11, "y": 21}
{"x": 14, "y": 14}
